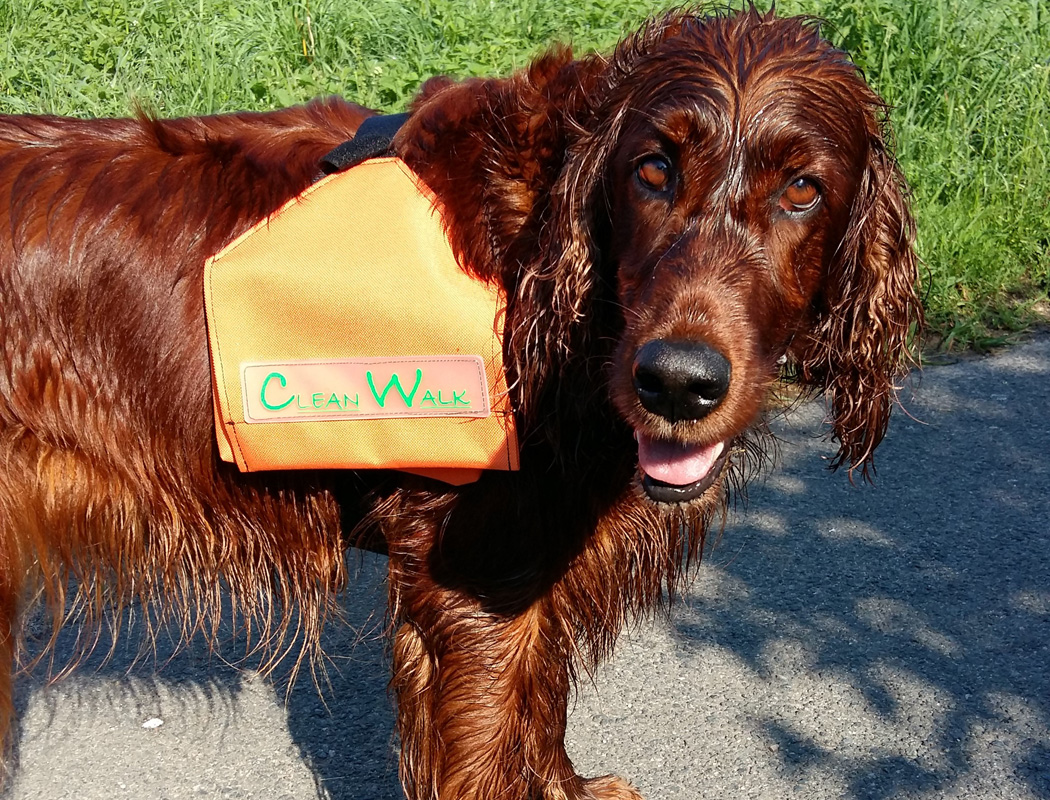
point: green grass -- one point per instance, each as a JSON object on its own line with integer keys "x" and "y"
{"x": 969, "y": 81}
{"x": 970, "y": 85}
{"x": 94, "y": 57}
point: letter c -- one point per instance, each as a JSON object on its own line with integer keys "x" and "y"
{"x": 262, "y": 391}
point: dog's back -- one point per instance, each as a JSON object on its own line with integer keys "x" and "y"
{"x": 107, "y": 470}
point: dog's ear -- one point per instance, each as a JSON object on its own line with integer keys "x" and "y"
{"x": 491, "y": 149}
{"x": 517, "y": 163}
{"x": 869, "y": 316}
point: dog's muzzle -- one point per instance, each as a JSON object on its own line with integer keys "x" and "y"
{"x": 681, "y": 381}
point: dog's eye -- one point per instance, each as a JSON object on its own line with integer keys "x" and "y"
{"x": 802, "y": 195}
{"x": 655, "y": 173}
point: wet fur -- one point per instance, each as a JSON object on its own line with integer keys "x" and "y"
{"x": 500, "y": 591}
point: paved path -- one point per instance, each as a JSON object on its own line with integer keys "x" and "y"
{"x": 858, "y": 643}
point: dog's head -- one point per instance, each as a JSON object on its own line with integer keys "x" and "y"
{"x": 726, "y": 182}
{"x": 757, "y": 221}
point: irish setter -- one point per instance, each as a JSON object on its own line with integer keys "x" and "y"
{"x": 678, "y": 227}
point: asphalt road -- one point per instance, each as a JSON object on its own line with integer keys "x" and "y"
{"x": 840, "y": 642}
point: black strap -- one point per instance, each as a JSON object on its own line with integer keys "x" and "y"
{"x": 372, "y": 139}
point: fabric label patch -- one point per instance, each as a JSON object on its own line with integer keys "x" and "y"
{"x": 365, "y": 388}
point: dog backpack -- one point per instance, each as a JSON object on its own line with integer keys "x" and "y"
{"x": 345, "y": 334}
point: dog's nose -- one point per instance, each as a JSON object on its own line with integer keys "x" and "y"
{"x": 680, "y": 380}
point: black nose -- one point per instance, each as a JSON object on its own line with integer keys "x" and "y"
{"x": 680, "y": 380}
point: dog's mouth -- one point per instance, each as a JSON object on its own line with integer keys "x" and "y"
{"x": 673, "y": 472}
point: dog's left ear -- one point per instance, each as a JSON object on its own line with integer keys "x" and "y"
{"x": 870, "y": 315}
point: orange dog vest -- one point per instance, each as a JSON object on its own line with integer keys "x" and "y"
{"x": 344, "y": 334}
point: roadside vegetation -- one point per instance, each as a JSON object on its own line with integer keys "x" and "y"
{"x": 969, "y": 82}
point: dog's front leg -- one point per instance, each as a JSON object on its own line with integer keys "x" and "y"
{"x": 481, "y": 708}
{"x": 482, "y": 696}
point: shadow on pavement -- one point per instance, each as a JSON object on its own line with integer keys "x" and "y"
{"x": 334, "y": 737}
{"x": 851, "y": 642}
{"x": 919, "y": 608}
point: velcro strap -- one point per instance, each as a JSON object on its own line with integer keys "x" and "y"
{"x": 372, "y": 139}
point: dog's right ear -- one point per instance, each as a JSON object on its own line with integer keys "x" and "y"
{"x": 511, "y": 161}
{"x": 492, "y": 149}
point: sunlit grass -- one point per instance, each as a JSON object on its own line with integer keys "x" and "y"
{"x": 969, "y": 81}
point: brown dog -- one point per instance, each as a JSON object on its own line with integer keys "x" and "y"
{"x": 675, "y": 227}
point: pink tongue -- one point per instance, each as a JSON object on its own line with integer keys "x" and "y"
{"x": 674, "y": 463}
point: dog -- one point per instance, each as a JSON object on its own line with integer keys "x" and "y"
{"x": 677, "y": 228}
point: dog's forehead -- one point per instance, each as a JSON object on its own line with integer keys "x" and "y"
{"x": 784, "y": 117}
{"x": 743, "y": 44}
{"x": 772, "y": 108}
{"x": 722, "y": 66}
